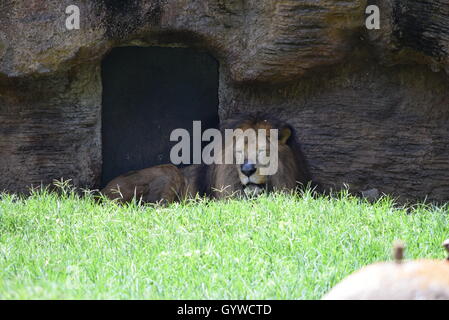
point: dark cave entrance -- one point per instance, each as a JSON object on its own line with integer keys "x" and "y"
{"x": 147, "y": 93}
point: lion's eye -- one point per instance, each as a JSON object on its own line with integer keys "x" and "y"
{"x": 239, "y": 156}
{"x": 263, "y": 157}
{"x": 263, "y": 153}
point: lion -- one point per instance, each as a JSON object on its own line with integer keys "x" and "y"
{"x": 243, "y": 177}
{"x": 246, "y": 177}
{"x": 158, "y": 184}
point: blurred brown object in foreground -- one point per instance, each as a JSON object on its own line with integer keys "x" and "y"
{"x": 423, "y": 279}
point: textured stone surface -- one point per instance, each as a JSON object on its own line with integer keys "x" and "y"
{"x": 257, "y": 39}
{"x": 50, "y": 128}
{"x": 366, "y": 126}
{"x": 371, "y": 107}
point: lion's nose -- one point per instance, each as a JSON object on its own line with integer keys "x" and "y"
{"x": 248, "y": 169}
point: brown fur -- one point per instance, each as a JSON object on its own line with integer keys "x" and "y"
{"x": 167, "y": 183}
{"x": 164, "y": 183}
{"x": 193, "y": 179}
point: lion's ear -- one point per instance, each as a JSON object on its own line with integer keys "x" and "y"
{"x": 285, "y": 134}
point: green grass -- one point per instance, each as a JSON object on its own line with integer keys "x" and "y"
{"x": 273, "y": 247}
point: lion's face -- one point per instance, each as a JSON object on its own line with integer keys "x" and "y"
{"x": 264, "y": 160}
{"x": 255, "y": 151}
{"x": 249, "y": 162}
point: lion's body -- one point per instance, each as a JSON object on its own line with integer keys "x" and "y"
{"x": 194, "y": 176}
{"x": 164, "y": 183}
{"x": 168, "y": 183}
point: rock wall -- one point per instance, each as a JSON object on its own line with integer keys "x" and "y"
{"x": 371, "y": 106}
